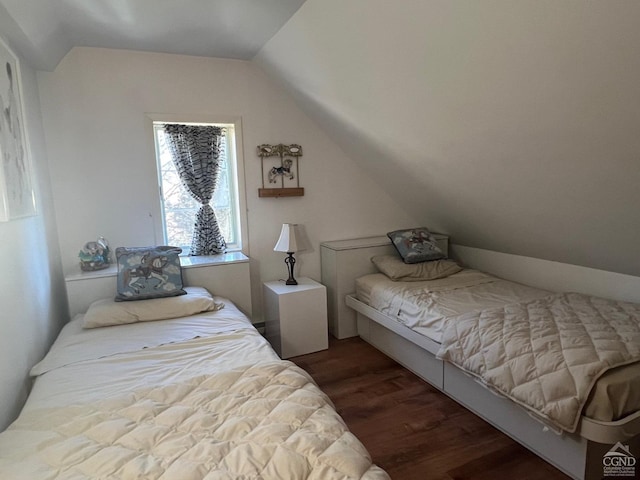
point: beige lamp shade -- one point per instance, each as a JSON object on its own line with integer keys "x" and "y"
{"x": 288, "y": 241}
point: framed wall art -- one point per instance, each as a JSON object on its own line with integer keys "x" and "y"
{"x": 280, "y": 170}
{"x": 17, "y": 197}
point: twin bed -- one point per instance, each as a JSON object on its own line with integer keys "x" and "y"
{"x": 558, "y": 372}
{"x": 126, "y": 392}
{"x": 432, "y": 308}
{"x": 185, "y": 387}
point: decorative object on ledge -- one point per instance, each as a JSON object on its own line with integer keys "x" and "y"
{"x": 282, "y": 170}
{"x": 95, "y": 255}
{"x": 289, "y": 243}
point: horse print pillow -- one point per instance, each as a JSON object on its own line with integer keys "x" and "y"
{"x": 148, "y": 272}
{"x": 416, "y": 245}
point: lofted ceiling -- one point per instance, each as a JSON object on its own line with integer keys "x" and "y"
{"x": 511, "y": 126}
{"x": 44, "y": 31}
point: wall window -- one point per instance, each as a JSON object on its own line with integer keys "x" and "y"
{"x": 179, "y": 207}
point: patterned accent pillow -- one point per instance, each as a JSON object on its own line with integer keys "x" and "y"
{"x": 148, "y": 272}
{"x": 416, "y": 245}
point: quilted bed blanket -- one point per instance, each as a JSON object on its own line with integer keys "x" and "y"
{"x": 217, "y": 404}
{"x": 545, "y": 354}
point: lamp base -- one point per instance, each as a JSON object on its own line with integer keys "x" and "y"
{"x": 290, "y": 261}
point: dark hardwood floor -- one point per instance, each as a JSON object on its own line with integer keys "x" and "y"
{"x": 411, "y": 429}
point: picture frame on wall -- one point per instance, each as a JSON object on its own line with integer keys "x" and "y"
{"x": 17, "y": 197}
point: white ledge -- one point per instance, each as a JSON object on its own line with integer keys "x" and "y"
{"x": 185, "y": 262}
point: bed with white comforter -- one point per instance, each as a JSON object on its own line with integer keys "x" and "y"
{"x": 502, "y": 349}
{"x": 199, "y": 397}
{"x": 558, "y": 355}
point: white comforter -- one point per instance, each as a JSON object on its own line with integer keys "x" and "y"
{"x": 197, "y": 398}
{"x": 426, "y": 306}
{"x": 545, "y": 354}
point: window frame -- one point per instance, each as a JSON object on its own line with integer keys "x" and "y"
{"x": 237, "y": 175}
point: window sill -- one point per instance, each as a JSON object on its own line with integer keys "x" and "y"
{"x": 185, "y": 262}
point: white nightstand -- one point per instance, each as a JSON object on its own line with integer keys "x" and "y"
{"x": 296, "y": 317}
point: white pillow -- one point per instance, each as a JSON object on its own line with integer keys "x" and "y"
{"x": 106, "y": 312}
{"x": 394, "y": 268}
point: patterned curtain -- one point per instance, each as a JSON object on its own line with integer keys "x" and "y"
{"x": 197, "y": 151}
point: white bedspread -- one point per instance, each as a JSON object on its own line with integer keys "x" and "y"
{"x": 425, "y": 306}
{"x": 76, "y": 344}
{"x": 545, "y": 354}
{"x": 198, "y": 398}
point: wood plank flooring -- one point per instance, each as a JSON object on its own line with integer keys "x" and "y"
{"x": 411, "y": 429}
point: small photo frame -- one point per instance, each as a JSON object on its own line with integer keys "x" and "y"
{"x": 17, "y": 197}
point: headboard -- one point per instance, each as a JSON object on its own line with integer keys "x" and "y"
{"x": 342, "y": 261}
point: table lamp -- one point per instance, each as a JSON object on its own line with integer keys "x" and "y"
{"x": 289, "y": 243}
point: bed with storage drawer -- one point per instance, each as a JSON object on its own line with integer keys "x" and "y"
{"x": 180, "y": 386}
{"x": 442, "y": 330}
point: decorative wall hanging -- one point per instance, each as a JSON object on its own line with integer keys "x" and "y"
{"x": 16, "y": 188}
{"x": 280, "y": 170}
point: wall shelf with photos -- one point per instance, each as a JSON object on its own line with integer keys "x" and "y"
{"x": 280, "y": 170}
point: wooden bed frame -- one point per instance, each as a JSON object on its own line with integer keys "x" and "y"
{"x": 579, "y": 455}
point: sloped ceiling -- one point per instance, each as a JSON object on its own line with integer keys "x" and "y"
{"x": 512, "y": 126}
{"x": 44, "y": 31}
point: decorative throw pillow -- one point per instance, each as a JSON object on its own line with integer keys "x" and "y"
{"x": 394, "y": 268}
{"x": 416, "y": 245}
{"x": 148, "y": 272}
{"x": 107, "y": 312}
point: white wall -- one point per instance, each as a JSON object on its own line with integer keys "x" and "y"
{"x": 103, "y": 167}
{"x": 32, "y": 296}
{"x": 512, "y": 126}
